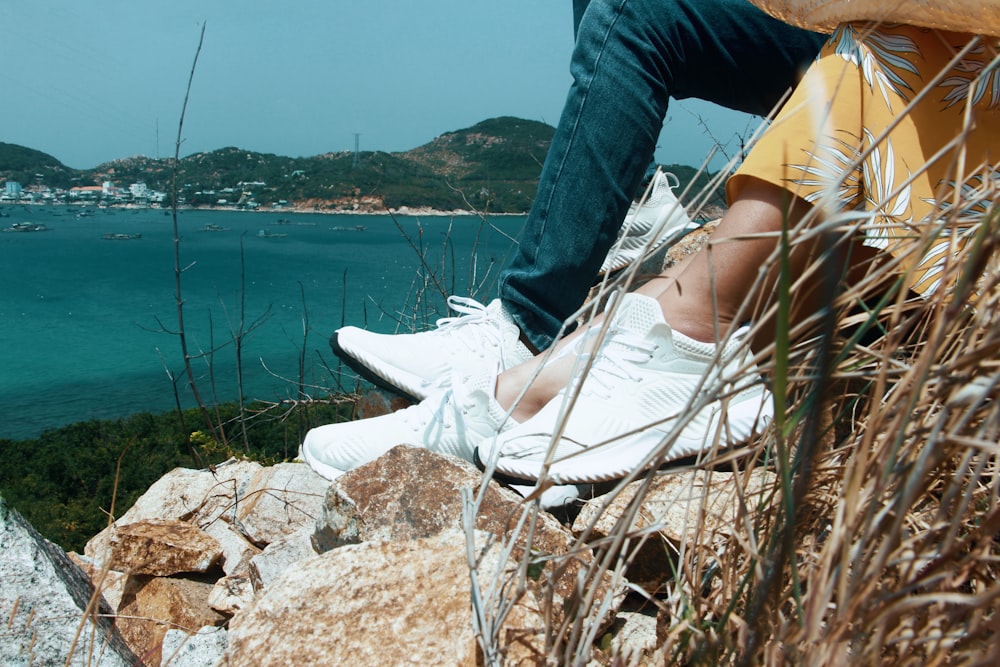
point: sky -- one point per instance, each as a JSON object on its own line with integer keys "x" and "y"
{"x": 88, "y": 82}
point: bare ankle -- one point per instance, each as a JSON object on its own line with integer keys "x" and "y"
{"x": 510, "y": 385}
{"x": 705, "y": 332}
{"x": 526, "y": 388}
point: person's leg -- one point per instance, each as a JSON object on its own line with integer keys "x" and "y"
{"x": 579, "y": 7}
{"x": 630, "y": 57}
{"x": 676, "y": 374}
{"x": 703, "y": 297}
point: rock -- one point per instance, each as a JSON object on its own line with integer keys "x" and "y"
{"x": 684, "y": 506}
{"x": 278, "y": 501}
{"x": 411, "y": 493}
{"x": 688, "y": 245}
{"x": 376, "y": 603}
{"x": 43, "y": 601}
{"x": 231, "y": 593}
{"x": 110, "y": 582}
{"x": 162, "y": 548}
{"x": 181, "y": 494}
{"x": 339, "y": 522}
{"x": 377, "y": 402}
{"x": 276, "y": 557}
{"x": 157, "y": 604}
{"x": 202, "y": 649}
{"x": 229, "y": 482}
{"x": 632, "y": 638}
{"x": 176, "y": 495}
{"x": 236, "y": 550}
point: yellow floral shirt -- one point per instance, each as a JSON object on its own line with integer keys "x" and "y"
{"x": 900, "y": 125}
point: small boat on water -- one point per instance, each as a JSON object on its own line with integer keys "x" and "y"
{"x": 121, "y": 237}
{"x": 355, "y": 228}
{"x": 26, "y": 227}
{"x": 213, "y": 228}
{"x": 264, "y": 234}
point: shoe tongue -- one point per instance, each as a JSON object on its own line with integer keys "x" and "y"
{"x": 496, "y": 309}
{"x": 637, "y": 314}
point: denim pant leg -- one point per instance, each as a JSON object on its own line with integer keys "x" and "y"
{"x": 630, "y": 57}
{"x": 579, "y": 7}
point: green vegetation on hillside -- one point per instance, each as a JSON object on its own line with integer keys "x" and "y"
{"x": 492, "y": 166}
{"x": 63, "y": 482}
{"x": 28, "y": 166}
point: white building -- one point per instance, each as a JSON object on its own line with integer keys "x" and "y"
{"x": 139, "y": 190}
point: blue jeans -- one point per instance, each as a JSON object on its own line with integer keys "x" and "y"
{"x": 630, "y": 57}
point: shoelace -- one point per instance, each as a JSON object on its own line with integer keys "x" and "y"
{"x": 428, "y": 411}
{"x": 616, "y": 358}
{"x": 471, "y": 312}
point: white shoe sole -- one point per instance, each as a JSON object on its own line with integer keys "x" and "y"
{"x": 619, "y": 458}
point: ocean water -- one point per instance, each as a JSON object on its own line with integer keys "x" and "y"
{"x": 87, "y": 324}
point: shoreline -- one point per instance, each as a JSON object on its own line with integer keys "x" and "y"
{"x": 403, "y": 210}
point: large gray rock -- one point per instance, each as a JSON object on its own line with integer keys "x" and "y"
{"x": 110, "y": 582}
{"x": 201, "y": 649}
{"x": 278, "y": 501}
{"x": 377, "y": 603}
{"x": 43, "y": 602}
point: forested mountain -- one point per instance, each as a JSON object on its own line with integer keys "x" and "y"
{"x": 491, "y": 166}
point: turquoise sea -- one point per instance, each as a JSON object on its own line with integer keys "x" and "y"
{"x": 87, "y": 322}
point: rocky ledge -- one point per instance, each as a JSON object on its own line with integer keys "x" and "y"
{"x": 251, "y": 565}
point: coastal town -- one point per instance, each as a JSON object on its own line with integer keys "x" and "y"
{"x": 108, "y": 194}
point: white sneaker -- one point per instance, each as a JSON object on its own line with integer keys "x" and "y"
{"x": 554, "y": 497}
{"x": 650, "y": 391}
{"x": 482, "y": 339}
{"x": 452, "y": 421}
{"x": 659, "y": 219}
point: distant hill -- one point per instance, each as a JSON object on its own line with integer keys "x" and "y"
{"x": 507, "y": 148}
{"x": 491, "y": 166}
{"x": 28, "y": 166}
